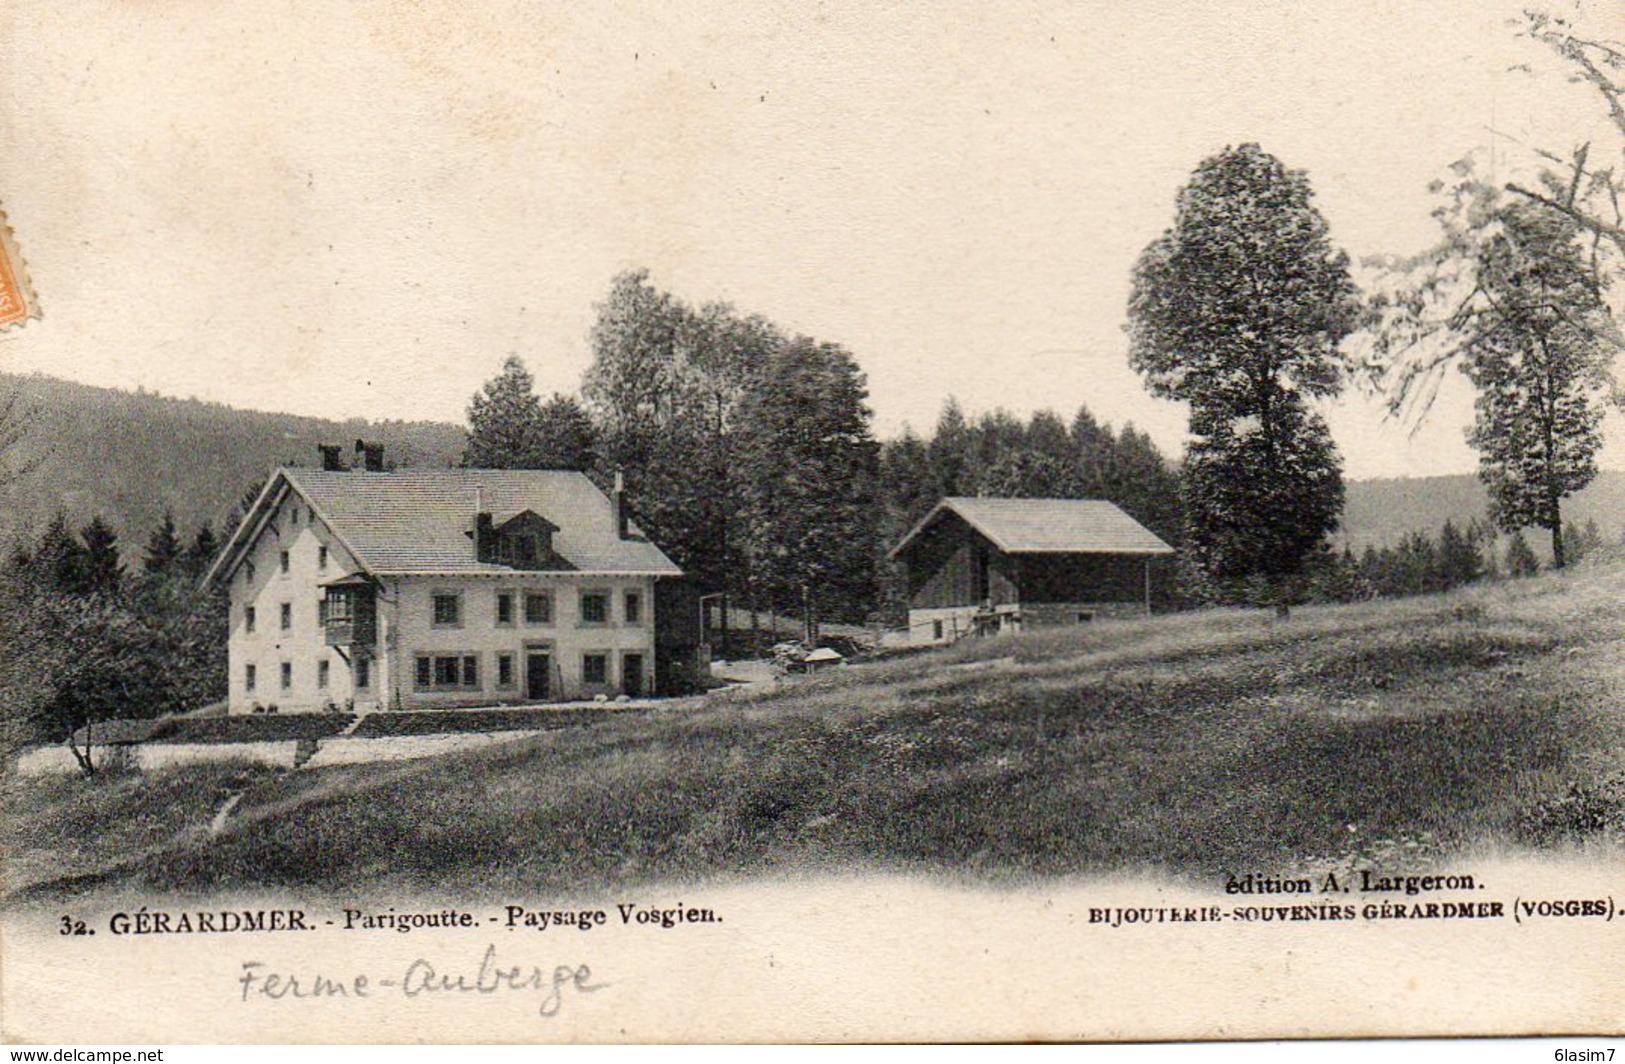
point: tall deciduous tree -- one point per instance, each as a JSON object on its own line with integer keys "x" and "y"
{"x": 1513, "y": 296}
{"x": 1238, "y": 310}
{"x": 810, "y": 462}
{"x": 1589, "y": 193}
{"x": 1540, "y": 349}
{"x": 664, "y": 391}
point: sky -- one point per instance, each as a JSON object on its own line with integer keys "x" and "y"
{"x": 360, "y": 211}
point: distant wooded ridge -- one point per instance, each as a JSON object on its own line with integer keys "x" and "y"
{"x": 128, "y": 456}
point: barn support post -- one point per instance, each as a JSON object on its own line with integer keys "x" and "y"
{"x": 1148, "y": 585}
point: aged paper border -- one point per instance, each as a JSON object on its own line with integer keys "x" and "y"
{"x": 861, "y": 957}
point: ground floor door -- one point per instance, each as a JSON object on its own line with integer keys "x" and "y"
{"x": 632, "y": 675}
{"x": 538, "y": 670}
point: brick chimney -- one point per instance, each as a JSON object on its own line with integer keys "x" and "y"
{"x": 332, "y": 457}
{"x": 371, "y": 455}
{"x": 485, "y": 540}
{"x": 618, "y": 499}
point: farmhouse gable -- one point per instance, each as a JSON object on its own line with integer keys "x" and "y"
{"x": 440, "y": 588}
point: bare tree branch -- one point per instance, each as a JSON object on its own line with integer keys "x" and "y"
{"x": 1613, "y": 232}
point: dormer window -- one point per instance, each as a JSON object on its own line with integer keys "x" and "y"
{"x": 523, "y": 548}
{"x": 522, "y": 541}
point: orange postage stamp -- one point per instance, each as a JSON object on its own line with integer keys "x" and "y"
{"x": 17, "y": 302}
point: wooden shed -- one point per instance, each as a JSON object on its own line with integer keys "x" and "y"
{"x": 982, "y": 566}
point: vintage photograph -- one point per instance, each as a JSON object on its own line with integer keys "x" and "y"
{"x": 811, "y": 522}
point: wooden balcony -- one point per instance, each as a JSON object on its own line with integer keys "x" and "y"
{"x": 350, "y": 633}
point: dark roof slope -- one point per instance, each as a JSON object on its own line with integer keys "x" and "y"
{"x": 1033, "y": 526}
{"x": 419, "y": 521}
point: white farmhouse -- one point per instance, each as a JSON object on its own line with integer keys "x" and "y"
{"x": 438, "y": 588}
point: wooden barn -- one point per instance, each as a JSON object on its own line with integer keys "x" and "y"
{"x": 982, "y": 566}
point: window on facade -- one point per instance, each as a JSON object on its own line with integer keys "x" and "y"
{"x": 248, "y": 572}
{"x": 323, "y": 670}
{"x": 538, "y": 607}
{"x": 287, "y": 616}
{"x": 285, "y": 563}
{"x": 595, "y": 668}
{"x": 321, "y": 558}
{"x": 363, "y": 672}
{"x": 248, "y": 618}
{"x": 447, "y": 610}
{"x": 338, "y": 603}
{"x": 293, "y": 516}
{"x": 936, "y": 629}
{"x": 594, "y": 607}
{"x": 287, "y": 675}
{"x": 504, "y": 670}
{"x": 634, "y": 607}
{"x": 504, "y": 607}
{"x": 321, "y": 613}
{"x": 443, "y": 671}
{"x": 248, "y": 678}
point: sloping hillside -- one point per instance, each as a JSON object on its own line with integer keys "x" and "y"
{"x": 128, "y": 455}
{"x": 1380, "y": 512}
{"x": 1400, "y": 732}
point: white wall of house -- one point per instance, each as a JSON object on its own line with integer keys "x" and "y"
{"x": 944, "y": 624}
{"x": 940, "y": 624}
{"x": 284, "y": 652}
{"x": 263, "y": 639}
{"x": 411, "y": 632}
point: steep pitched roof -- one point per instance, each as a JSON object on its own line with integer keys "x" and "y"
{"x": 1047, "y": 526}
{"x": 418, "y": 521}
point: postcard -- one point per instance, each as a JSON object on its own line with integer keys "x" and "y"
{"x": 841, "y": 522}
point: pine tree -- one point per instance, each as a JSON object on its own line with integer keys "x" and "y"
{"x": 564, "y": 436}
{"x": 1238, "y": 311}
{"x": 58, "y": 561}
{"x": 163, "y": 551}
{"x": 1483, "y": 538}
{"x": 1586, "y": 540}
{"x": 102, "y": 573}
{"x": 1459, "y": 560}
{"x": 951, "y": 449}
{"x": 200, "y": 554}
{"x": 1521, "y": 561}
{"x": 1094, "y": 445}
{"x": 504, "y": 421}
{"x": 1024, "y": 473}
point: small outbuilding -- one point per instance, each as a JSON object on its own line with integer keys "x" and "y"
{"x": 982, "y": 566}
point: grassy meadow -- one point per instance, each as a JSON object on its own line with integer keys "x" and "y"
{"x": 1484, "y": 721}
